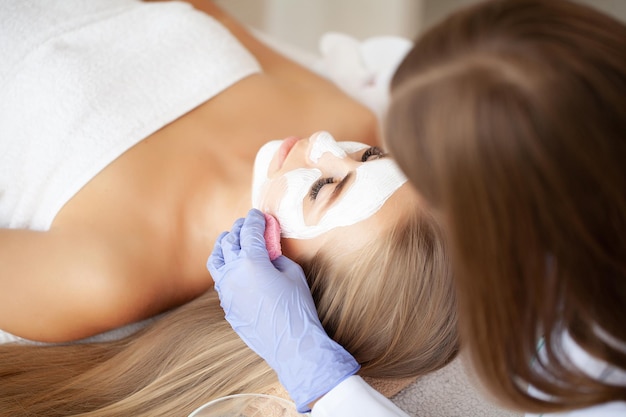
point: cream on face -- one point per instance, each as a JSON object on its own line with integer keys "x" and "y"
{"x": 374, "y": 182}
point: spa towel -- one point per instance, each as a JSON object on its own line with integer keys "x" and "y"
{"x": 83, "y": 81}
{"x": 361, "y": 68}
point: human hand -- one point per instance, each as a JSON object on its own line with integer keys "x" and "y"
{"x": 269, "y": 305}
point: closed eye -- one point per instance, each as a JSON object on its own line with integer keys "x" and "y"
{"x": 373, "y": 153}
{"x": 318, "y": 185}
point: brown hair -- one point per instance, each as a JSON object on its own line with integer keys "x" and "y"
{"x": 510, "y": 118}
{"x": 393, "y": 310}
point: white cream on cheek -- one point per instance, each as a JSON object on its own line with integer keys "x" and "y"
{"x": 259, "y": 174}
{"x": 375, "y": 182}
{"x": 290, "y": 211}
{"x": 284, "y": 197}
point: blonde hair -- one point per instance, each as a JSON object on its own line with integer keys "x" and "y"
{"x": 393, "y": 305}
{"x": 393, "y": 309}
{"x": 177, "y": 364}
{"x": 510, "y": 118}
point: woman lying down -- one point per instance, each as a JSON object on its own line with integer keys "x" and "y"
{"x": 130, "y": 132}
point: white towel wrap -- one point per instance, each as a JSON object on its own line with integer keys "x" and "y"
{"x": 83, "y": 81}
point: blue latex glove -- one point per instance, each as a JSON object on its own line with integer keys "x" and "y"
{"x": 269, "y": 305}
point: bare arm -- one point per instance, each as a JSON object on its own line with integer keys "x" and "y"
{"x": 57, "y": 286}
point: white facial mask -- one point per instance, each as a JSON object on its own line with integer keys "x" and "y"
{"x": 259, "y": 174}
{"x": 374, "y": 183}
{"x": 323, "y": 143}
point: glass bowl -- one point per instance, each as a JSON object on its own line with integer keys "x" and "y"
{"x": 248, "y": 405}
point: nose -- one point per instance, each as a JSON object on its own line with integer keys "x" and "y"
{"x": 321, "y": 143}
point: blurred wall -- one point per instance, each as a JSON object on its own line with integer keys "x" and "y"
{"x": 301, "y": 22}
{"x": 435, "y": 10}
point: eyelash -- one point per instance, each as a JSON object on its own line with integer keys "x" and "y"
{"x": 372, "y": 151}
{"x": 317, "y": 186}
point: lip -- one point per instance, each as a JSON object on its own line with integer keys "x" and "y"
{"x": 284, "y": 149}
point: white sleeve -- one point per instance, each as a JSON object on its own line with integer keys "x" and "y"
{"x": 355, "y": 398}
{"x": 593, "y": 367}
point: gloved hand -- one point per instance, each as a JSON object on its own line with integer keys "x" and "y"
{"x": 269, "y": 305}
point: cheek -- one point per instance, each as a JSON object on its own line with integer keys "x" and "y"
{"x": 285, "y": 193}
{"x": 270, "y": 195}
{"x": 261, "y": 165}
{"x": 290, "y": 208}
